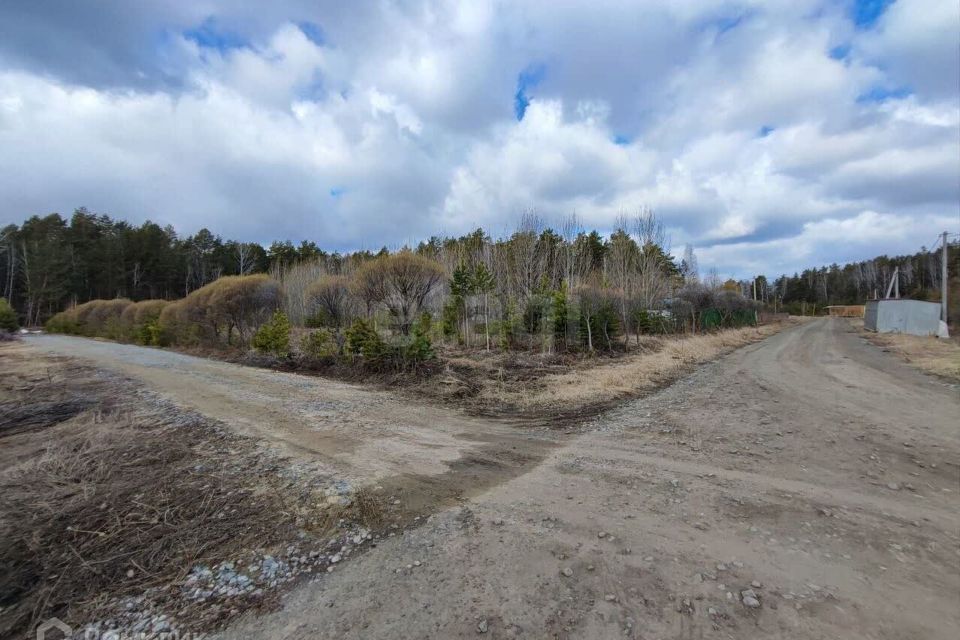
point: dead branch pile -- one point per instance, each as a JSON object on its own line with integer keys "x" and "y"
{"x": 114, "y": 501}
{"x": 16, "y": 417}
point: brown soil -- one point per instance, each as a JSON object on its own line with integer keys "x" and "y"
{"x": 938, "y": 356}
{"x": 811, "y": 463}
{"x": 813, "y": 469}
{"x": 568, "y": 389}
{"x": 108, "y": 492}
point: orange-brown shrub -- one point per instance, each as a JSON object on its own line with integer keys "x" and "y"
{"x": 173, "y": 324}
{"x": 240, "y": 304}
{"x": 139, "y": 321}
{"x": 104, "y": 319}
{"x": 96, "y": 318}
{"x": 226, "y": 311}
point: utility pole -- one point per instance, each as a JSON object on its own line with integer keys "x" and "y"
{"x": 943, "y": 279}
{"x": 895, "y": 280}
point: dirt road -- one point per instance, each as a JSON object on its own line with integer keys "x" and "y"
{"x": 803, "y": 487}
{"x": 352, "y": 433}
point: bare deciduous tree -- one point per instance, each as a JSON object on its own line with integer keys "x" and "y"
{"x": 402, "y": 282}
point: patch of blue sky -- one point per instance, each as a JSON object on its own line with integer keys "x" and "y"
{"x": 527, "y": 79}
{"x": 840, "y": 52}
{"x": 865, "y": 13}
{"x": 722, "y": 24}
{"x": 313, "y": 32}
{"x": 882, "y": 94}
{"x": 313, "y": 92}
{"x": 209, "y": 35}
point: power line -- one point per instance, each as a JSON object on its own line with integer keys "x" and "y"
{"x": 937, "y": 241}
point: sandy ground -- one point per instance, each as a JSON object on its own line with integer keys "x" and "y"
{"x": 810, "y": 475}
{"x": 351, "y": 432}
{"x": 933, "y": 355}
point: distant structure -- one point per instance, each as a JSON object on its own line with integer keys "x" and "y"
{"x": 914, "y": 317}
{"x": 846, "y": 310}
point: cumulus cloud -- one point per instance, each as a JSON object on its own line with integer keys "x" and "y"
{"x": 762, "y": 132}
{"x": 916, "y": 42}
{"x": 828, "y": 241}
{"x": 547, "y": 162}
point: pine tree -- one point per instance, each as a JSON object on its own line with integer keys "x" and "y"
{"x": 484, "y": 283}
{"x": 8, "y": 317}
{"x": 461, "y": 287}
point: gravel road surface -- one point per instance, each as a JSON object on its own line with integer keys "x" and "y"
{"x": 803, "y": 487}
{"x": 355, "y": 433}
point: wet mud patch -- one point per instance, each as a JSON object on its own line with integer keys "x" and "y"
{"x": 33, "y": 395}
{"x": 415, "y": 496}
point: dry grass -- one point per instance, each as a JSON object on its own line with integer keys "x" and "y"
{"x": 107, "y": 492}
{"x": 368, "y": 507}
{"x": 557, "y": 386}
{"x": 636, "y": 373}
{"x": 938, "y": 356}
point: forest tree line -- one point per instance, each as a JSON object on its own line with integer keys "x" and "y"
{"x": 548, "y": 288}
{"x": 538, "y": 288}
{"x": 919, "y": 277}
{"x": 49, "y": 263}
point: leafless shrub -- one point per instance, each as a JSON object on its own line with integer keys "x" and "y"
{"x": 330, "y": 300}
{"x": 137, "y": 315}
{"x": 402, "y": 282}
{"x": 242, "y": 303}
{"x": 295, "y": 280}
{"x": 104, "y": 319}
{"x": 96, "y": 318}
{"x": 174, "y": 324}
{"x": 227, "y": 310}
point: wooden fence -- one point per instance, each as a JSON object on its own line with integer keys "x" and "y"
{"x": 846, "y": 310}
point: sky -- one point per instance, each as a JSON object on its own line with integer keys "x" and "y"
{"x": 772, "y": 135}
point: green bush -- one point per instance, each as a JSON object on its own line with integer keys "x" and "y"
{"x": 363, "y": 339}
{"x": 420, "y": 349}
{"x": 150, "y": 334}
{"x": 8, "y": 317}
{"x": 424, "y": 323}
{"x": 561, "y": 317}
{"x": 644, "y": 322}
{"x": 604, "y": 326}
{"x": 62, "y": 322}
{"x": 450, "y": 319}
{"x": 318, "y": 344}
{"x": 536, "y": 312}
{"x": 273, "y": 337}
{"x": 507, "y": 327}
{"x": 315, "y": 321}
